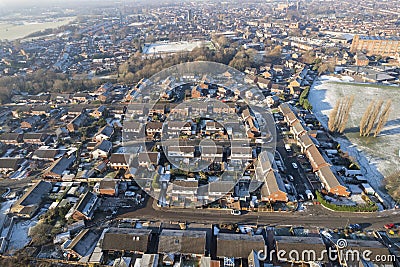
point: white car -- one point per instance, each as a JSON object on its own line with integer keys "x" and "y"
{"x": 294, "y": 165}
{"x": 236, "y": 212}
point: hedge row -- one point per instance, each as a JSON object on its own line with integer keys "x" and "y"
{"x": 371, "y": 207}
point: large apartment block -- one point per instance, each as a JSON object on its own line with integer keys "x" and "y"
{"x": 376, "y": 45}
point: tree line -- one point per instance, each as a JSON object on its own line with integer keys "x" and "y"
{"x": 373, "y": 120}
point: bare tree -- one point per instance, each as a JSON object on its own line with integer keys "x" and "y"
{"x": 340, "y": 114}
{"x": 365, "y": 118}
{"x": 372, "y": 119}
{"x": 332, "y": 116}
{"x": 383, "y": 118}
{"x": 346, "y": 113}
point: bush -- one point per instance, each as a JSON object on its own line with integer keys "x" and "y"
{"x": 303, "y": 101}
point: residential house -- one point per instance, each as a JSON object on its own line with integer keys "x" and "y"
{"x": 182, "y": 242}
{"x": 104, "y": 88}
{"x": 30, "y": 122}
{"x": 148, "y": 159}
{"x": 213, "y": 127}
{"x": 128, "y": 240}
{"x": 29, "y": 203}
{"x": 132, "y": 130}
{"x": 85, "y": 207}
{"x": 120, "y": 161}
{"x": 40, "y": 110}
{"x": 179, "y": 153}
{"x": 196, "y": 92}
{"x": 104, "y": 97}
{"x": 59, "y": 167}
{"x": 75, "y": 110}
{"x": 238, "y": 246}
{"x": 153, "y": 128}
{"x": 104, "y": 133}
{"x": 176, "y": 128}
{"x": 375, "y": 250}
{"x": 278, "y": 89}
{"x": 77, "y": 122}
{"x": 11, "y": 138}
{"x": 102, "y": 149}
{"x": 220, "y": 189}
{"x": 197, "y": 109}
{"x": 316, "y": 159}
{"x": 212, "y": 153}
{"x": 305, "y": 142}
{"x": 180, "y": 111}
{"x": 297, "y": 129}
{"x": 240, "y": 153}
{"x": 118, "y": 111}
{"x": 108, "y": 187}
{"x": 157, "y": 109}
{"x": 289, "y": 116}
{"x": 263, "y": 83}
{"x": 83, "y": 244}
{"x": 273, "y": 189}
{"x": 136, "y": 109}
{"x": 41, "y": 99}
{"x": 272, "y": 101}
{"x": 182, "y": 190}
{"x": 80, "y": 97}
{"x": 47, "y": 154}
{"x": 331, "y": 182}
{"x": 99, "y": 112}
{"x": 10, "y": 164}
{"x": 35, "y": 138}
{"x": 224, "y": 108}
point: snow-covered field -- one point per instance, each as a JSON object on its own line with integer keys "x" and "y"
{"x": 379, "y": 156}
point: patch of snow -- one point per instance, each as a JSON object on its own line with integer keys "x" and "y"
{"x": 19, "y": 235}
{"x": 380, "y": 156}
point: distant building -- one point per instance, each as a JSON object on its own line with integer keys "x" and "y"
{"x": 376, "y": 45}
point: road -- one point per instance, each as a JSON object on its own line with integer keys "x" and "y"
{"x": 300, "y": 183}
{"x": 315, "y": 216}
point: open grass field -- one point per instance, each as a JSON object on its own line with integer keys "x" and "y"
{"x": 379, "y": 156}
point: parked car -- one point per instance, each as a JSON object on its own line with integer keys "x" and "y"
{"x": 236, "y": 212}
{"x": 291, "y": 178}
{"x": 390, "y": 226}
{"x": 355, "y": 227}
{"x": 294, "y": 165}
